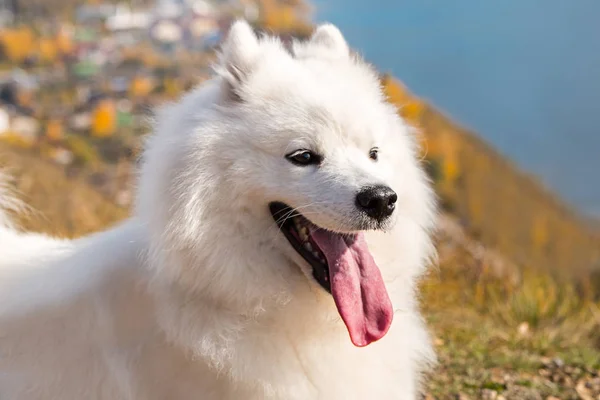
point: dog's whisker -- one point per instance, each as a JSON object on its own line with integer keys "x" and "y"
{"x": 288, "y": 214}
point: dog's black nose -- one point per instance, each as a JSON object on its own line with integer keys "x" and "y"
{"x": 377, "y": 202}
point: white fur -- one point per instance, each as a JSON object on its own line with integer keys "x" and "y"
{"x": 198, "y": 295}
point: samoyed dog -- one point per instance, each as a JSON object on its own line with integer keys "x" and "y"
{"x": 281, "y": 223}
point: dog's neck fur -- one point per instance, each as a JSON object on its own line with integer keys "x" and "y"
{"x": 285, "y": 334}
{"x": 128, "y": 315}
{"x": 269, "y": 351}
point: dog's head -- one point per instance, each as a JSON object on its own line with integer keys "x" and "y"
{"x": 273, "y": 175}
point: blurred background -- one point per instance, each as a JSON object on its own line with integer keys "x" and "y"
{"x": 505, "y": 99}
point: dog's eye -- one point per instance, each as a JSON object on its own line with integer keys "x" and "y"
{"x": 374, "y": 154}
{"x": 304, "y": 157}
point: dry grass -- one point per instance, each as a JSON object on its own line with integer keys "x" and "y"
{"x": 495, "y": 333}
{"x": 56, "y": 204}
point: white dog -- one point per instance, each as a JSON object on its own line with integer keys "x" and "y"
{"x": 282, "y": 220}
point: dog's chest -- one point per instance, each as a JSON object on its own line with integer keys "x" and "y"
{"x": 295, "y": 374}
{"x": 316, "y": 372}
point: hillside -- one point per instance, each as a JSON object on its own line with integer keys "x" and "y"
{"x": 67, "y": 207}
{"x": 499, "y": 204}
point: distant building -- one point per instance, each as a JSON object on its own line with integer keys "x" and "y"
{"x": 27, "y": 128}
{"x": 127, "y": 19}
{"x": 167, "y": 32}
{"x": 7, "y": 12}
{"x": 80, "y": 121}
{"x": 94, "y": 14}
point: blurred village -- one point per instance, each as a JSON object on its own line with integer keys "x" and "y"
{"x": 78, "y": 84}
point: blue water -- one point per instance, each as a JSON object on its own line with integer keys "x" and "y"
{"x": 524, "y": 74}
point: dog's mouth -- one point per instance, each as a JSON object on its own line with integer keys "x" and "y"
{"x": 297, "y": 229}
{"x": 343, "y": 266}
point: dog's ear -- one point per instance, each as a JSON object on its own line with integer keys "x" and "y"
{"x": 238, "y": 55}
{"x": 330, "y": 37}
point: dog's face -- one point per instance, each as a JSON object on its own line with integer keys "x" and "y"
{"x": 322, "y": 164}
{"x": 282, "y": 166}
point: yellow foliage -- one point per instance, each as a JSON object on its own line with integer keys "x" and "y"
{"x": 284, "y": 16}
{"x": 412, "y": 112}
{"x": 449, "y": 146}
{"x": 18, "y": 43}
{"x": 48, "y": 49}
{"x": 16, "y": 140}
{"x": 396, "y": 92}
{"x": 540, "y": 231}
{"x": 450, "y": 168}
{"x": 64, "y": 44}
{"x": 104, "y": 119}
{"x": 140, "y": 86}
{"x": 82, "y": 150}
{"x": 172, "y": 87}
{"x": 410, "y": 107}
{"x": 54, "y": 130}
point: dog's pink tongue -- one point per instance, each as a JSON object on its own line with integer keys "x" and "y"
{"x": 357, "y": 286}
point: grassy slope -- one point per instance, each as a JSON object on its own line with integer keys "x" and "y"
{"x": 497, "y": 336}
{"x": 475, "y": 302}
{"x": 512, "y": 212}
{"x": 57, "y": 205}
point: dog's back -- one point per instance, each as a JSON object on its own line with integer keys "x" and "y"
{"x": 70, "y": 316}
{"x": 77, "y": 322}
{"x": 52, "y": 337}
